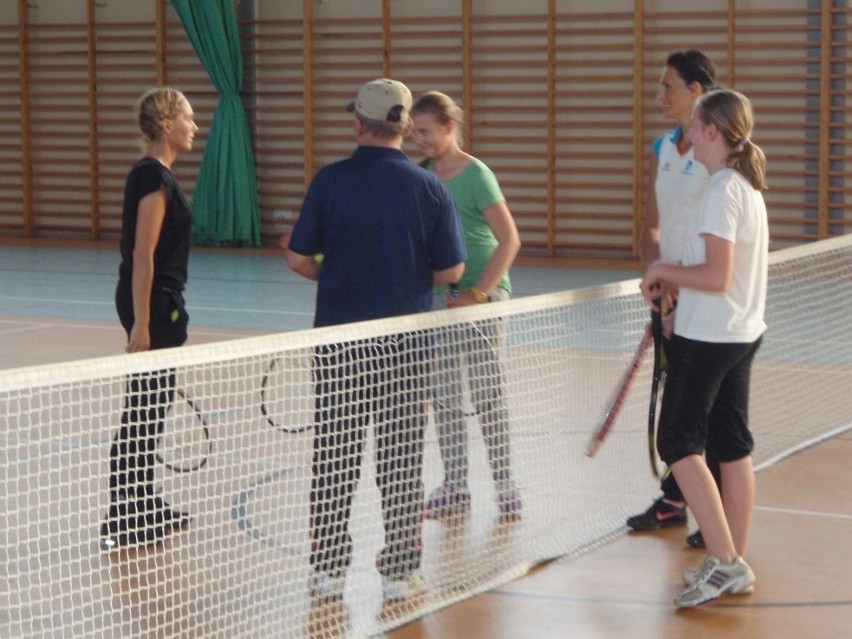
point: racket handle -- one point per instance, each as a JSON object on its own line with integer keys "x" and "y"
{"x": 454, "y": 290}
{"x": 657, "y": 320}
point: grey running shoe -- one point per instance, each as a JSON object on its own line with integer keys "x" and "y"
{"x": 406, "y": 587}
{"x": 326, "y": 586}
{"x": 715, "y": 579}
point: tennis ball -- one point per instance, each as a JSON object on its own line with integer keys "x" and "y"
{"x": 318, "y": 258}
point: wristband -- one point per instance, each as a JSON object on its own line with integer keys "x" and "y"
{"x": 479, "y": 295}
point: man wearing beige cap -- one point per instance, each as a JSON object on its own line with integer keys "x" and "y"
{"x": 388, "y": 231}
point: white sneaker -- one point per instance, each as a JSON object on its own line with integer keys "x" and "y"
{"x": 407, "y": 587}
{"x": 325, "y": 586}
{"x": 690, "y": 575}
{"x": 716, "y": 579}
{"x": 690, "y": 578}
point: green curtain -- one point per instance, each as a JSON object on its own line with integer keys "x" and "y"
{"x": 225, "y": 205}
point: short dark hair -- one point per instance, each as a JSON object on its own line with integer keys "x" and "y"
{"x": 693, "y": 66}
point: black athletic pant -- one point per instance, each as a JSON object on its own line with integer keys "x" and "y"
{"x": 383, "y": 380}
{"x": 148, "y": 395}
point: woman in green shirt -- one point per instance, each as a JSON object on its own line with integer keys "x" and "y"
{"x": 492, "y": 243}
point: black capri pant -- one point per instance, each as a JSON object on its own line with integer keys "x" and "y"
{"x": 706, "y": 400}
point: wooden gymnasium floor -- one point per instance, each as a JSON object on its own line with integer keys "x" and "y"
{"x": 801, "y": 546}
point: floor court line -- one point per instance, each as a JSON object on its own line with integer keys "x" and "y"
{"x": 25, "y": 329}
{"x": 195, "y": 307}
{"x": 633, "y": 603}
{"x": 804, "y": 513}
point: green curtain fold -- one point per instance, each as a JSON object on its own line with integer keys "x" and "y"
{"x": 225, "y": 206}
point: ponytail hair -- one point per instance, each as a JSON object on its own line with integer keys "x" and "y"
{"x": 733, "y": 117}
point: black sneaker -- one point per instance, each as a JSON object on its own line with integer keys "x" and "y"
{"x": 659, "y": 515}
{"x": 138, "y": 522}
{"x": 695, "y": 540}
{"x": 164, "y": 515}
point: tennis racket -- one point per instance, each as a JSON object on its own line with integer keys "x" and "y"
{"x": 481, "y": 356}
{"x": 184, "y": 442}
{"x": 657, "y": 382}
{"x": 617, "y": 399}
{"x": 482, "y": 361}
{"x": 287, "y": 395}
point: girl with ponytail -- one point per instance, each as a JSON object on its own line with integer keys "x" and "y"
{"x": 718, "y": 327}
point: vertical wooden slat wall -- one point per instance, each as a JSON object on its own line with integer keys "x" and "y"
{"x": 732, "y": 40}
{"x": 825, "y": 80}
{"x": 59, "y": 138}
{"x": 559, "y": 102}
{"x": 552, "y": 106}
{"x": 467, "y": 70}
{"x": 126, "y": 63}
{"x": 94, "y": 154}
{"x": 510, "y": 117}
{"x": 597, "y": 198}
{"x": 308, "y": 91}
{"x": 640, "y": 184}
{"x": 25, "y": 110}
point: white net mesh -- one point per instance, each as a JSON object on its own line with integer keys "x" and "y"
{"x": 237, "y": 443}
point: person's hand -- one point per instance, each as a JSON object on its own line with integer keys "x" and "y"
{"x": 652, "y": 287}
{"x": 660, "y": 294}
{"x": 140, "y": 339}
{"x": 464, "y": 298}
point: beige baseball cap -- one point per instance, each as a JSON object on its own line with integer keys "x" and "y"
{"x": 382, "y": 100}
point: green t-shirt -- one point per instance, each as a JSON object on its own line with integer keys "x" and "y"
{"x": 474, "y": 190}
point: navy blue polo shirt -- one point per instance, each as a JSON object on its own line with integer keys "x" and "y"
{"x": 384, "y": 225}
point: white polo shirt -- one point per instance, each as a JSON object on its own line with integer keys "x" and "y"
{"x": 679, "y": 187}
{"x": 734, "y": 211}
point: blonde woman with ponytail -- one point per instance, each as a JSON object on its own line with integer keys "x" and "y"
{"x": 718, "y": 327}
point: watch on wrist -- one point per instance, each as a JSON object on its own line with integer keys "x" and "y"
{"x": 479, "y": 295}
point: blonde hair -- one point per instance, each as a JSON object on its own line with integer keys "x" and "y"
{"x": 732, "y": 114}
{"x": 442, "y": 107}
{"x": 156, "y": 105}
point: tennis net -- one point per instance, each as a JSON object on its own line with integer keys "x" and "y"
{"x": 237, "y": 445}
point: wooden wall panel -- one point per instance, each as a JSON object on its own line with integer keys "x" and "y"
{"x": 12, "y": 153}
{"x": 559, "y": 100}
